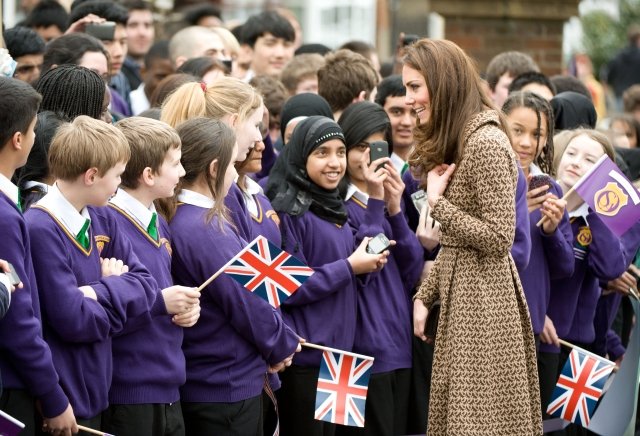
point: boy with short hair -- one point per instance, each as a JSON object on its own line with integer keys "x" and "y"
{"x": 269, "y": 38}
{"x": 148, "y": 364}
{"x": 501, "y": 71}
{"x": 92, "y": 283}
{"x": 301, "y": 74}
{"x": 27, "y": 367}
{"x": 26, "y": 47}
{"x": 346, "y": 77}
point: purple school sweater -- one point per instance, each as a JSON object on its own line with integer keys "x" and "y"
{"x": 384, "y": 308}
{"x": 606, "y": 340}
{"x": 323, "y": 309}
{"x": 238, "y": 333}
{"x": 551, "y": 258}
{"x": 238, "y": 211}
{"x": 79, "y": 329}
{"x": 148, "y": 364}
{"x": 25, "y": 358}
{"x": 598, "y": 255}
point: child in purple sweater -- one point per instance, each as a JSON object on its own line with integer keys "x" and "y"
{"x": 383, "y": 325}
{"x": 303, "y": 189}
{"x": 239, "y": 335}
{"x": 28, "y": 371}
{"x": 148, "y": 364}
{"x": 92, "y": 284}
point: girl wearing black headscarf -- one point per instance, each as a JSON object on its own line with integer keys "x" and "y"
{"x": 384, "y": 309}
{"x": 303, "y": 189}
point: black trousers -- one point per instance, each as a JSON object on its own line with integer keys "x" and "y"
{"x": 418, "y": 410}
{"x": 144, "y": 420}
{"x": 297, "y": 403}
{"x": 548, "y": 376}
{"x": 386, "y": 409}
{"x": 242, "y": 418}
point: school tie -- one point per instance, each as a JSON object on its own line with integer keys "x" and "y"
{"x": 83, "y": 235}
{"x": 404, "y": 169}
{"x": 19, "y": 204}
{"x": 153, "y": 226}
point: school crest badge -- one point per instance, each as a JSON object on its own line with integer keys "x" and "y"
{"x": 101, "y": 240}
{"x": 584, "y": 236}
{"x": 610, "y": 199}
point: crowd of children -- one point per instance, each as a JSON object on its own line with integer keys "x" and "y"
{"x": 112, "y": 223}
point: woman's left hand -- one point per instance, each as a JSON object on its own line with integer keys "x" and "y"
{"x": 437, "y": 182}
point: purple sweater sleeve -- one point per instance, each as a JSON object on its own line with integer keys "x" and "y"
{"x": 269, "y": 156}
{"x": 74, "y": 317}
{"x": 521, "y": 249}
{"x": 21, "y": 342}
{"x": 615, "y": 349}
{"x": 558, "y": 248}
{"x": 407, "y": 251}
{"x": 606, "y": 253}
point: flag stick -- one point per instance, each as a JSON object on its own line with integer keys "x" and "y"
{"x": 633, "y": 294}
{"x": 92, "y": 431}
{"x": 222, "y": 268}
{"x": 334, "y": 350}
{"x": 582, "y": 350}
{"x": 544, "y": 218}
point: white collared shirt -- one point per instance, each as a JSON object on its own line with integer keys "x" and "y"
{"x": 133, "y": 207}
{"x": 353, "y": 191}
{"x": 9, "y": 189}
{"x": 581, "y": 211}
{"x": 397, "y": 162}
{"x": 535, "y": 170}
{"x": 57, "y": 204}
{"x": 195, "y": 199}
{"x": 253, "y": 188}
{"x": 139, "y": 100}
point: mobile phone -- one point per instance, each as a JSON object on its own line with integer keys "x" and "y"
{"x": 103, "y": 31}
{"x": 13, "y": 276}
{"x": 378, "y": 244}
{"x": 538, "y": 181}
{"x": 409, "y": 39}
{"x": 419, "y": 199}
{"x": 378, "y": 149}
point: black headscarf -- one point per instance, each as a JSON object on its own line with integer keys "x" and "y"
{"x": 305, "y": 104}
{"x": 290, "y": 189}
{"x": 572, "y": 110}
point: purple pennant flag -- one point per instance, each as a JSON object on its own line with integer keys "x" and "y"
{"x": 9, "y": 426}
{"x": 611, "y": 195}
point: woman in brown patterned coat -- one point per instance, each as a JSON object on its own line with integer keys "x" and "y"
{"x": 485, "y": 380}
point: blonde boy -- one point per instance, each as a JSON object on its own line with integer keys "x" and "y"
{"x": 92, "y": 285}
{"x": 149, "y": 366}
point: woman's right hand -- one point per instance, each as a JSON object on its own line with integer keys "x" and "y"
{"x": 362, "y": 262}
{"x": 420, "y": 314}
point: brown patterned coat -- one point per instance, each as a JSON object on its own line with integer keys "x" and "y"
{"x": 484, "y": 380}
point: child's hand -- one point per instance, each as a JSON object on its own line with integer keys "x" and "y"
{"x": 4, "y": 266}
{"x": 113, "y": 267}
{"x": 623, "y": 284}
{"x": 553, "y": 208}
{"x": 536, "y": 197}
{"x": 179, "y": 299}
{"x": 420, "y": 314}
{"x": 374, "y": 177}
{"x": 428, "y": 230}
{"x": 280, "y": 366}
{"x": 63, "y": 424}
{"x": 548, "y": 334}
{"x": 393, "y": 189}
{"x": 89, "y": 292}
{"x": 188, "y": 318}
{"x": 362, "y": 262}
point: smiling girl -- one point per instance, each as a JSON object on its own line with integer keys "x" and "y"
{"x": 598, "y": 253}
{"x": 531, "y": 122}
{"x": 303, "y": 188}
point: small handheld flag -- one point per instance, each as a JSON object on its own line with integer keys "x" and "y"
{"x": 9, "y": 426}
{"x": 579, "y": 387}
{"x": 268, "y": 271}
{"x": 342, "y": 388}
{"x": 611, "y": 195}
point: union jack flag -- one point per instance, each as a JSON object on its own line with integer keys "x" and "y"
{"x": 342, "y": 388}
{"x": 268, "y": 271}
{"x": 579, "y": 387}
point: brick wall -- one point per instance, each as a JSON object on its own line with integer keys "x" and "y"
{"x": 485, "y": 28}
